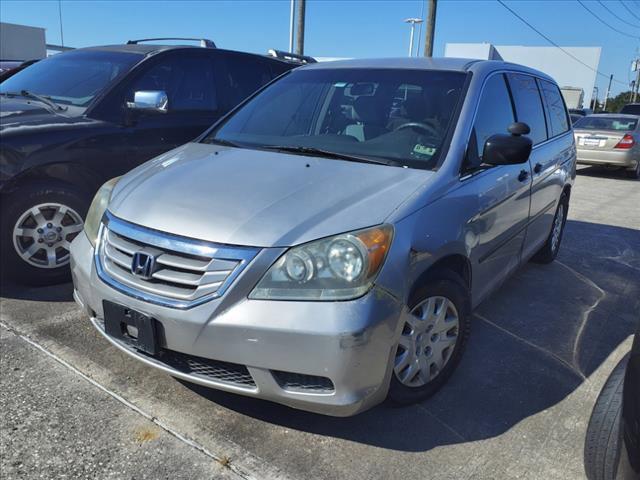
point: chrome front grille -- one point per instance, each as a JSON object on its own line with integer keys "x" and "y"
{"x": 185, "y": 273}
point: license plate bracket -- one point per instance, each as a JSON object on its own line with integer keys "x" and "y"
{"x": 131, "y": 327}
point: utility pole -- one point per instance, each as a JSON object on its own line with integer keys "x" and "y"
{"x": 412, "y": 22}
{"x": 594, "y": 99}
{"x": 300, "y": 36}
{"x": 431, "y": 28}
{"x": 636, "y": 88}
{"x": 292, "y": 14}
{"x": 606, "y": 95}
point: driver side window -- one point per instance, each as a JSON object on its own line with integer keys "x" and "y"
{"x": 188, "y": 82}
{"x": 494, "y": 115}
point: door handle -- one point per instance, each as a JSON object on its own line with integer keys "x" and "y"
{"x": 537, "y": 168}
{"x": 523, "y": 175}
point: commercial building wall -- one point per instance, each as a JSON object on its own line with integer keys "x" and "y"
{"x": 19, "y": 42}
{"x": 551, "y": 60}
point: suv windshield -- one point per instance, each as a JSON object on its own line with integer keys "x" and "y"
{"x": 596, "y": 122}
{"x": 398, "y": 116}
{"x": 72, "y": 78}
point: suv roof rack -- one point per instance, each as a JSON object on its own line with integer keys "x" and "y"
{"x": 205, "y": 43}
{"x": 291, "y": 57}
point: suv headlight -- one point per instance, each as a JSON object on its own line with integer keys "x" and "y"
{"x": 96, "y": 210}
{"x": 342, "y": 267}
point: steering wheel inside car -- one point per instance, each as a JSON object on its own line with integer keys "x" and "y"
{"x": 420, "y": 126}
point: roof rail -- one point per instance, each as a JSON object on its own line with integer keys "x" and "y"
{"x": 205, "y": 43}
{"x": 291, "y": 57}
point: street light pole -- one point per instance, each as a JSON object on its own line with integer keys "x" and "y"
{"x": 413, "y": 22}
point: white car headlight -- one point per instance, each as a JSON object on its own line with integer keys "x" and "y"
{"x": 96, "y": 210}
{"x": 342, "y": 267}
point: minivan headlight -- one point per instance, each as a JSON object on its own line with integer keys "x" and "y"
{"x": 342, "y": 267}
{"x": 96, "y": 210}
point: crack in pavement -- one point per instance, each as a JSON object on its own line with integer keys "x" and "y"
{"x": 546, "y": 352}
{"x": 441, "y": 422}
{"x": 585, "y": 314}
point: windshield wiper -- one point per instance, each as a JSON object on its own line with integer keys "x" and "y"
{"x": 318, "y": 152}
{"x": 41, "y": 98}
{"x": 226, "y": 143}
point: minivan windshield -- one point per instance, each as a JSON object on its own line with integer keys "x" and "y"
{"x": 393, "y": 116}
{"x": 596, "y": 122}
{"x": 72, "y": 78}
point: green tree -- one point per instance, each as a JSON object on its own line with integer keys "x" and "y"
{"x": 616, "y": 103}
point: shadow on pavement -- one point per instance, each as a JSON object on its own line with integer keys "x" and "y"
{"x": 532, "y": 344}
{"x": 53, "y": 293}
{"x": 614, "y": 173}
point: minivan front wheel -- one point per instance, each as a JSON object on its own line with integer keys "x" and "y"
{"x": 435, "y": 328}
{"x": 39, "y": 222}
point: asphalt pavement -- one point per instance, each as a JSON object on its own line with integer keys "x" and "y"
{"x": 540, "y": 350}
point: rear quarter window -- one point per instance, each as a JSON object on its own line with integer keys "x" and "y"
{"x": 558, "y": 117}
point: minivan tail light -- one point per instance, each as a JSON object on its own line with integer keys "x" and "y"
{"x": 626, "y": 142}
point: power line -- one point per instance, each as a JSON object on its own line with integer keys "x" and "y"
{"x": 629, "y": 10}
{"x": 617, "y": 16}
{"x": 556, "y": 45}
{"x": 605, "y": 23}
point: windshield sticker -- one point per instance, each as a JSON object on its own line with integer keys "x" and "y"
{"x": 340, "y": 84}
{"x": 424, "y": 150}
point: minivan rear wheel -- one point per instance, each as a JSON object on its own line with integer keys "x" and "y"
{"x": 550, "y": 249}
{"x": 435, "y": 329}
{"x": 39, "y": 221}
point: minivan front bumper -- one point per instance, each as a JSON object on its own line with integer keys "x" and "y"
{"x": 333, "y": 358}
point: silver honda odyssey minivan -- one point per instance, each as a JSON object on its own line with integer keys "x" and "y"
{"x": 324, "y": 244}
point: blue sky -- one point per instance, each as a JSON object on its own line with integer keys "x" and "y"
{"x": 347, "y": 28}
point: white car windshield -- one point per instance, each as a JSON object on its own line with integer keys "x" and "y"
{"x": 394, "y": 116}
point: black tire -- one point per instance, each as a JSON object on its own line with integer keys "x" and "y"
{"x": 547, "y": 253}
{"x": 447, "y": 284}
{"x": 603, "y": 440}
{"x": 635, "y": 173}
{"x": 15, "y": 268}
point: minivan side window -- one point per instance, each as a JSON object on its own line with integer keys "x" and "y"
{"x": 494, "y": 115}
{"x": 528, "y": 104}
{"x": 555, "y": 107}
{"x": 188, "y": 82}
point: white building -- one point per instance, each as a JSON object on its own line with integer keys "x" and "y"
{"x": 20, "y": 43}
{"x": 566, "y": 71}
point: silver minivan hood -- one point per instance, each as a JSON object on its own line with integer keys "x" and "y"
{"x": 259, "y": 198}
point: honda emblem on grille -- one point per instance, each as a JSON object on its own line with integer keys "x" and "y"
{"x": 143, "y": 265}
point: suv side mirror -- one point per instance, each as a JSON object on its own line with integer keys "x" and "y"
{"x": 508, "y": 149}
{"x": 150, "y": 101}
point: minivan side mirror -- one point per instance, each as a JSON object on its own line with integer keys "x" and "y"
{"x": 508, "y": 149}
{"x": 150, "y": 101}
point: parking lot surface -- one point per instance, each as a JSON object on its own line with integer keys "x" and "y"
{"x": 517, "y": 407}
